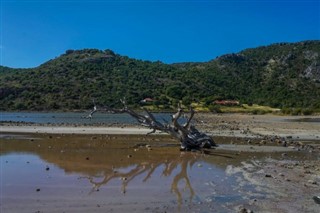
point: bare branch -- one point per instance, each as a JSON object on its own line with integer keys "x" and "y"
{"x": 187, "y": 124}
{"x": 188, "y": 135}
{"x": 94, "y": 110}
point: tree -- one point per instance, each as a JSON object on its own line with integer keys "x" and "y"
{"x": 189, "y": 137}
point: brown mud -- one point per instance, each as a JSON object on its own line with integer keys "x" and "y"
{"x": 263, "y": 164}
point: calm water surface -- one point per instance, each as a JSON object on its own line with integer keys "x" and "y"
{"x": 73, "y": 118}
{"x": 113, "y": 174}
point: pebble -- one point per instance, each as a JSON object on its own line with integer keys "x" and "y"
{"x": 312, "y": 182}
{"x": 316, "y": 199}
{"x": 263, "y": 142}
{"x": 244, "y": 210}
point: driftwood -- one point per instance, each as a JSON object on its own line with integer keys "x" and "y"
{"x": 189, "y": 137}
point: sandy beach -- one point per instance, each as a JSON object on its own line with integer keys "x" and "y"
{"x": 76, "y": 130}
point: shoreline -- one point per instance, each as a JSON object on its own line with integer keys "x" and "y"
{"x": 276, "y": 159}
{"x": 254, "y": 133}
{"x": 220, "y": 125}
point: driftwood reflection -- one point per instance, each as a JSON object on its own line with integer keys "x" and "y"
{"x": 181, "y": 164}
{"x": 125, "y": 158}
{"x": 183, "y": 174}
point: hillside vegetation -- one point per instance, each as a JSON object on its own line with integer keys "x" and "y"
{"x": 285, "y": 75}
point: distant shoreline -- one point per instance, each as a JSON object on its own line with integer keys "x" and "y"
{"x": 224, "y": 125}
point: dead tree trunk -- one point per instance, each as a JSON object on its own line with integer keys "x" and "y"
{"x": 189, "y": 137}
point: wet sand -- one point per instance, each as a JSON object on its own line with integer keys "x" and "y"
{"x": 264, "y": 163}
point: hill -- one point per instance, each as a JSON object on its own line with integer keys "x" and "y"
{"x": 282, "y": 75}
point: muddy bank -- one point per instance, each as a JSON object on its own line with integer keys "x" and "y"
{"x": 245, "y": 125}
{"x": 119, "y": 169}
{"x": 290, "y": 184}
{"x": 229, "y": 125}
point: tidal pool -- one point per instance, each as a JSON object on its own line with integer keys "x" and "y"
{"x": 105, "y": 173}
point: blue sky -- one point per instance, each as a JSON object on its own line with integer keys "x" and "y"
{"x": 35, "y": 31}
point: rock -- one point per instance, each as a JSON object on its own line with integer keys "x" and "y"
{"x": 263, "y": 142}
{"x": 312, "y": 182}
{"x": 268, "y": 175}
{"x": 316, "y": 199}
{"x": 244, "y": 210}
{"x": 47, "y": 168}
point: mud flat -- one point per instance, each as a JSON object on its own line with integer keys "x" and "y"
{"x": 230, "y": 125}
{"x": 75, "y": 130}
{"x": 245, "y": 125}
{"x": 119, "y": 169}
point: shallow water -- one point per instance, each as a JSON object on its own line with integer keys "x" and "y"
{"x": 312, "y": 120}
{"x": 73, "y": 117}
{"x": 57, "y": 173}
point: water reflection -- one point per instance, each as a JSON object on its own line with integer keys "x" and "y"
{"x": 103, "y": 159}
{"x": 146, "y": 169}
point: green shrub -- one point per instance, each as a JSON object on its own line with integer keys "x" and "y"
{"x": 296, "y": 111}
{"x": 307, "y": 111}
{"x": 214, "y": 108}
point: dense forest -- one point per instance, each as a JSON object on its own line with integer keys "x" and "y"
{"x": 283, "y": 75}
